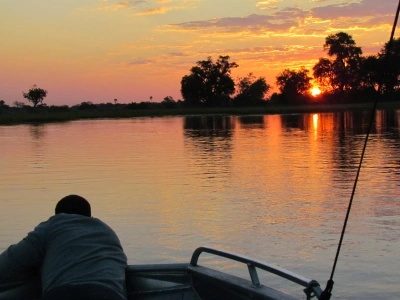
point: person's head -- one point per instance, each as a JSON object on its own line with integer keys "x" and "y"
{"x": 74, "y": 204}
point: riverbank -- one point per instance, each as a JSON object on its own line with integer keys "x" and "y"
{"x": 22, "y": 116}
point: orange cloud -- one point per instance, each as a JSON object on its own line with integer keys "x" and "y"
{"x": 266, "y": 5}
{"x": 153, "y": 11}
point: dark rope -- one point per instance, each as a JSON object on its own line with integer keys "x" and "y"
{"x": 326, "y": 294}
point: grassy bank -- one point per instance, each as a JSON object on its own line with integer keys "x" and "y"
{"x": 12, "y": 116}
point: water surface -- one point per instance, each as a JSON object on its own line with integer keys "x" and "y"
{"x": 273, "y": 187}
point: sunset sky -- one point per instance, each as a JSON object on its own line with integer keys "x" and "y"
{"x": 99, "y": 50}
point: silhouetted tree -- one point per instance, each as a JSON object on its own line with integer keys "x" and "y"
{"x": 369, "y": 72}
{"x": 3, "y": 105}
{"x": 87, "y": 105}
{"x": 324, "y": 74}
{"x": 251, "y": 91}
{"x": 35, "y": 95}
{"x": 342, "y": 46}
{"x": 19, "y": 104}
{"x": 209, "y": 83}
{"x": 344, "y": 70}
{"x": 390, "y": 65}
{"x": 168, "y": 102}
{"x": 293, "y": 84}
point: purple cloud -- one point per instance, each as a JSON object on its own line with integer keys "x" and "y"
{"x": 278, "y": 21}
{"x": 365, "y": 8}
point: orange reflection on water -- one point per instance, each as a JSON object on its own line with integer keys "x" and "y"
{"x": 276, "y": 180}
{"x": 315, "y": 125}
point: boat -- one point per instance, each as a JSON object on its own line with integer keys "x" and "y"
{"x": 190, "y": 281}
{"x": 193, "y": 281}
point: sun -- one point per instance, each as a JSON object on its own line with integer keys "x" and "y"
{"x": 315, "y": 91}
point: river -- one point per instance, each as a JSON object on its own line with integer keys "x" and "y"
{"x": 273, "y": 187}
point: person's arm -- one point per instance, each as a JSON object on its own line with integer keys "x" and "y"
{"x": 22, "y": 261}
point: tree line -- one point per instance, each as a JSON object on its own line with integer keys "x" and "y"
{"x": 344, "y": 76}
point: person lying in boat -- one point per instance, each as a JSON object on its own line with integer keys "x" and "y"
{"x": 70, "y": 256}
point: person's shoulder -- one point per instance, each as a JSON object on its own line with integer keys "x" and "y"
{"x": 100, "y": 223}
{"x": 62, "y": 219}
{"x": 66, "y": 219}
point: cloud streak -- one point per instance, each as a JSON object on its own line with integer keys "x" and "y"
{"x": 145, "y": 7}
{"x": 106, "y": 5}
{"x": 140, "y": 61}
{"x": 153, "y": 11}
{"x": 280, "y": 21}
{"x": 267, "y": 5}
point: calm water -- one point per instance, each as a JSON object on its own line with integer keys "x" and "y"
{"x": 275, "y": 188}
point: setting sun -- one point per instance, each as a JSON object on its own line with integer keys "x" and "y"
{"x": 315, "y": 91}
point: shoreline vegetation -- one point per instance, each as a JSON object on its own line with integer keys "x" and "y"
{"x": 47, "y": 115}
{"x": 346, "y": 81}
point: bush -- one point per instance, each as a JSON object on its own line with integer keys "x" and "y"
{"x": 87, "y": 106}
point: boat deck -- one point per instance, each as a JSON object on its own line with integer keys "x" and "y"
{"x": 192, "y": 281}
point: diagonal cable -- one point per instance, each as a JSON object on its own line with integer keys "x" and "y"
{"x": 326, "y": 294}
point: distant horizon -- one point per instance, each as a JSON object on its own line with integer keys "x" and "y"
{"x": 130, "y": 50}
